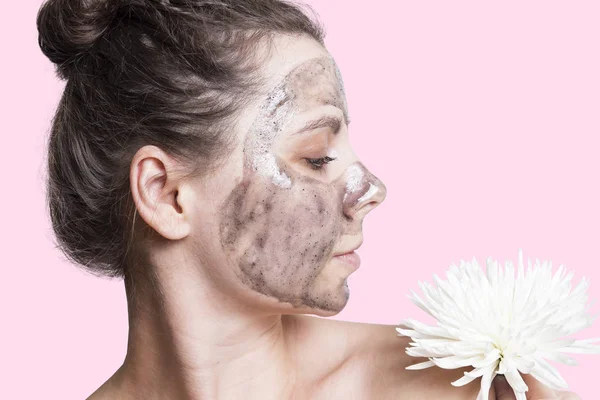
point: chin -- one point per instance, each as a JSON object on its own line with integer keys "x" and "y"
{"x": 324, "y": 313}
{"x": 330, "y": 303}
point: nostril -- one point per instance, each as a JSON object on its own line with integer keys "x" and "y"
{"x": 364, "y": 209}
{"x": 371, "y": 205}
{"x": 363, "y": 191}
{"x": 379, "y": 192}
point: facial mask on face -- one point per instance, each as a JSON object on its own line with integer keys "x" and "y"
{"x": 280, "y": 226}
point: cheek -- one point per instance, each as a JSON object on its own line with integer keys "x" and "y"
{"x": 280, "y": 239}
{"x": 304, "y": 224}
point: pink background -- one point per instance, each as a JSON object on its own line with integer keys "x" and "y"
{"x": 482, "y": 120}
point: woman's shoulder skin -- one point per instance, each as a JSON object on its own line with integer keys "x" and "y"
{"x": 368, "y": 361}
{"x": 342, "y": 359}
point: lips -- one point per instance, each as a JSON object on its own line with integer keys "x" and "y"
{"x": 349, "y": 250}
{"x": 352, "y": 259}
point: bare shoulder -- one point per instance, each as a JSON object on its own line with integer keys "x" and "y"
{"x": 103, "y": 392}
{"x": 375, "y": 368}
{"x": 382, "y": 357}
{"x": 111, "y": 389}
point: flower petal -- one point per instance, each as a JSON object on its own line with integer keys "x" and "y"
{"x": 583, "y": 346}
{"x": 546, "y": 374}
{"x": 490, "y": 358}
{"x": 463, "y": 381}
{"x": 520, "y": 395}
{"x": 477, "y": 372}
{"x": 421, "y": 352}
{"x": 410, "y": 333}
{"x": 426, "y": 329}
{"x": 554, "y": 356}
{"x": 454, "y": 362}
{"x": 515, "y": 380}
{"x": 486, "y": 382}
{"x": 422, "y": 365}
{"x": 524, "y": 364}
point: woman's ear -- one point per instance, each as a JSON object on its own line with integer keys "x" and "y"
{"x": 162, "y": 200}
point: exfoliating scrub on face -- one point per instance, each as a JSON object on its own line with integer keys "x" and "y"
{"x": 281, "y": 225}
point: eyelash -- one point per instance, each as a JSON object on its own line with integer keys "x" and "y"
{"x": 318, "y": 163}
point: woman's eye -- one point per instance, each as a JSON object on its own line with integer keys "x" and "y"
{"x": 318, "y": 163}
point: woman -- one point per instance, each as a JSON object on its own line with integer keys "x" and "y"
{"x": 200, "y": 151}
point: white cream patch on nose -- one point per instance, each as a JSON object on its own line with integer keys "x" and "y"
{"x": 355, "y": 176}
{"x": 372, "y": 190}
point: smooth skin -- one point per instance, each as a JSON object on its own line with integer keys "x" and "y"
{"x": 199, "y": 331}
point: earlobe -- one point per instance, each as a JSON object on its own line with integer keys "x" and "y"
{"x": 158, "y": 198}
{"x": 171, "y": 219}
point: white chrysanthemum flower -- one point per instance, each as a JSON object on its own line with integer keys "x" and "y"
{"x": 501, "y": 325}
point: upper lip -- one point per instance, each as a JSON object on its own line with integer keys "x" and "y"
{"x": 350, "y": 250}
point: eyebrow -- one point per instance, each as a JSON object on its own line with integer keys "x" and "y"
{"x": 332, "y": 122}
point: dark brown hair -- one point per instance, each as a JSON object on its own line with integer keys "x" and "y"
{"x": 171, "y": 73}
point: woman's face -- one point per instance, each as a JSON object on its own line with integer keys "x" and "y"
{"x": 299, "y": 194}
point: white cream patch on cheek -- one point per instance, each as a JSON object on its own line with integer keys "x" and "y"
{"x": 266, "y": 164}
{"x": 272, "y": 118}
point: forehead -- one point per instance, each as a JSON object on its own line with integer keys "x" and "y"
{"x": 299, "y": 75}
{"x": 296, "y": 67}
{"x": 315, "y": 82}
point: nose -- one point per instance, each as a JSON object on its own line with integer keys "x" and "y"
{"x": 363, "y": 191}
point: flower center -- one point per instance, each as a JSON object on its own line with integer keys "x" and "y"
{"x": 501, "y": 349}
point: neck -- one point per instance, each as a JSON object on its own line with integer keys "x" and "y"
{"x": 194, "y": 343}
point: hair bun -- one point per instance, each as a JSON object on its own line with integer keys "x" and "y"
{"x": 67, "y": 29}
